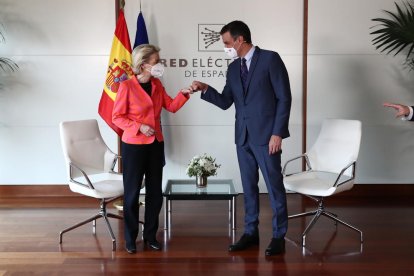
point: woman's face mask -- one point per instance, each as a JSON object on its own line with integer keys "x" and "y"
{"x": 157, "y": 70}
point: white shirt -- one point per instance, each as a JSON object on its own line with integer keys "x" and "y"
{"x": 409, "y": 116}
{"x": 249, "y": 57}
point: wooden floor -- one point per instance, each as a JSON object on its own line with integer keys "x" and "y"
{"x": 199, "y": 238}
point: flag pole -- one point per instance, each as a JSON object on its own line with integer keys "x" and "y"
{"x": 305, "y": 79}
{"x": 119, "y": 4}
{"x": 118, "y": 204}
{"x": 116, "y": 10}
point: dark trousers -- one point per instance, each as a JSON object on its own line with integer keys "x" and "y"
{"x": 251, "y": 158}
{"x": 140, "y": 160}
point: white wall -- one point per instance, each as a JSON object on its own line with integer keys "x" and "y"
{"x": 62, "y": 49}
{"x": 63, "y": 57}
{"x": 348, "y": 78}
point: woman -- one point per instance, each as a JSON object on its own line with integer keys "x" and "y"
{"x": 137, "y": 111}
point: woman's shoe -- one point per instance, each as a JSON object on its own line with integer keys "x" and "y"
{"x": 153, "y": 244}
{"x": 131, "y": 249}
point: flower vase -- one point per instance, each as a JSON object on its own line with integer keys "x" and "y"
{"x": 201, "y": 181}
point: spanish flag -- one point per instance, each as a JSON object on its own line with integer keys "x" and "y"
{"x": 119, "y": 69}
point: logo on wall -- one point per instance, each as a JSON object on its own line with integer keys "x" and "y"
{"x": 205, "y": 64}
{"x": 209, "y": 39}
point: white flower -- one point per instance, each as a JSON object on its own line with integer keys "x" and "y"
{"x": 202, "y": 165}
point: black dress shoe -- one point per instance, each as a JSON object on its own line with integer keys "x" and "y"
{"x": 153, "y": 244}
{"x": 245, "y": 242}
{"x": 132, "y": 249}
{"x": 276, "y": 246}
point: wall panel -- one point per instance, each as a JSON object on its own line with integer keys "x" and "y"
{"x": 63, "y": 54}
{"x": 348, "y": 78}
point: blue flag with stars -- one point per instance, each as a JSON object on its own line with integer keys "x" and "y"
{"x": 141, "y": 37}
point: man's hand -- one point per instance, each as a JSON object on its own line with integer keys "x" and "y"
{"x": 146, "y": 130}
{"x": 199, "y": 86}
{"x": 275, "y": 144}
{"x": 402, "y": 110}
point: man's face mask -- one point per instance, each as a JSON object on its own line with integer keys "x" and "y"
{"x": 232, "y": 52}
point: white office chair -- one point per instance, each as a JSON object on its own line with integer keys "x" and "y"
{"x": 330, "y": 168}
{"x": 90, "y": 165}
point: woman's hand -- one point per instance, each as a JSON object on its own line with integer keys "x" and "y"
{"x": 187, "y": 90}
{"x": 146, "y": 130}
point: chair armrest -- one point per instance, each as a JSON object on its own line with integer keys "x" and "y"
{"x": 343, "y": 171}
{"x": 297, "y": 157}
{"x": 116, "y": 173}
{"x": 117, "y": 158}
{"x": 88, "y": 184}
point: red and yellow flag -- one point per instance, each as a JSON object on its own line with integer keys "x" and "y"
{"x": 119, "y": 69}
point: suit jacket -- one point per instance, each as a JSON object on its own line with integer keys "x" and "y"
{"x": 412, "y": 118}
{"x": 133, "y": 107}
{"x": 263, "y": 109}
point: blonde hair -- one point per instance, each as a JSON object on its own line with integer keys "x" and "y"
{"x": 141, "y": 54}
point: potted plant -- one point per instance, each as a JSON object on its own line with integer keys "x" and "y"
{"x": 6, "y": 64}
{"x": 397, "y": 32}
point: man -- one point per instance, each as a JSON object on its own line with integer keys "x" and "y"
{"x": 258, "y": 85}
{"x": 403, "y": 111}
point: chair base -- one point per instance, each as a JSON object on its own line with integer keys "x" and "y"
{"x": 321, "y": 212}
{"x": 102, "y": 214}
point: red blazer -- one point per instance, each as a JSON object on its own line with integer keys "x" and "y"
{"x": 133, "y": 107}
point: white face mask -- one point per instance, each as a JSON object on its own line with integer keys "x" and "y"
{"x": 232, "y": 52}
{"x": 157, "y": 70}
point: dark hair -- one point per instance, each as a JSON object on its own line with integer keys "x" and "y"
{"x": 237, "y": 28}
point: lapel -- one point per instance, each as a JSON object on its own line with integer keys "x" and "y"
{"x": 153, "y": 87}
{"x": 142, "y": 91}
{"x": 253, "y": 64}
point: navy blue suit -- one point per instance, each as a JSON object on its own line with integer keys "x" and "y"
{"x": 262, "y": 110}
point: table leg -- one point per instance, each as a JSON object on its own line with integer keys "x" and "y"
{"x": 230, "y": 211}
{"x": 166, "y": 214}
{"x": 169, "y": 214}
{"x": 233, "y": 213}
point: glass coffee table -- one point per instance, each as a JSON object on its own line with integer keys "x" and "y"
{"x": 186, "y": 189}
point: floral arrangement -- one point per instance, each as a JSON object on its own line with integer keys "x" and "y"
{"x": 204, "y": 165}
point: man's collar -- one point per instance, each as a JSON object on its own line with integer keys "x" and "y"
{"x": 250, "y": 53}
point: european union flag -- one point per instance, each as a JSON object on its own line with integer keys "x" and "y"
{"x": 141, "y": 36}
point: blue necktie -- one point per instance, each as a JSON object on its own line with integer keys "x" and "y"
{"x": 243, "y": 72}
